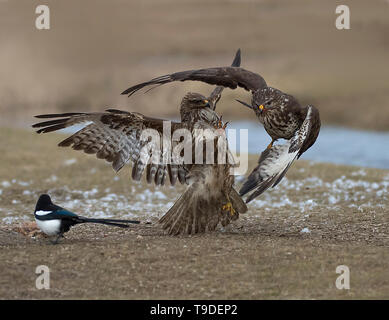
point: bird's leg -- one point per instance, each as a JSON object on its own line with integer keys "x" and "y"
{"x": 56, "y": 239}
{"x": 271, "y": 143}
{"x": 219, "y": 124}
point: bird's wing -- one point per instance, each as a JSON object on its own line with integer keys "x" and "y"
{"x": 115, "y": 136}
{"x": 217, "y": 92}
{"x": 275, "y": 162}
{"x": 231, "y": 77}
{"x": 314, "y": 129}
{"x": 61, "y": 213}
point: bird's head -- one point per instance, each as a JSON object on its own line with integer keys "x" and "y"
{"x": 257, "y": 108}
{"x": 43, "y": 201}
{"x": 195, "y": 101}
{"x": 192, "y": 103}
{"x": 267, "y": 99}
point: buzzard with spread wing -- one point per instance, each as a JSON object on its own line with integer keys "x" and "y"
{"x": 116, "y": 136}
{"x": 281, "y": 115}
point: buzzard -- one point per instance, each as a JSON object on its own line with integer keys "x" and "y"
{"x": 281, "y": 115}
{"x": 116, "y": 136}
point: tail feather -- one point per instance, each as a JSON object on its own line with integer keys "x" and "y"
{"x": 59, "y": 115}
{"x": 178, "y": 216}
{"x": 195, "y": 212}
{"x": 111, "y": 222}
{"x": 178, "y": 219}
{"x": 121, "y": 221}
{"x": 237, "y": 202}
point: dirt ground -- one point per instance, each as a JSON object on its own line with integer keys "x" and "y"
{"x": 287, "y": 246}
{"x": 291, "y": 241}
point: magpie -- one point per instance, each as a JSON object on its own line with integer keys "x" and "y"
{"x": 54, "y": 220}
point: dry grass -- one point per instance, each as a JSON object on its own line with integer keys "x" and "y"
{"x": 263, "y": 256}
{"x": 96, "y": 49}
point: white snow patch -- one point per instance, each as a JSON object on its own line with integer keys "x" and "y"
{"x": 5, "y": 184}
{"x": 69, "y": 162}
{"x": 329, "y": 195}
{"x": 12, "y": 219}
{"x": 360, "y": 172}
{"x": 88, "y": 194}
{"x": 53, "y": 178}
{"x": 24, "y": 183}
{"x": 159, "y": 195}
{"x": 332, "y": 199}
{"x": 109, "y": 197}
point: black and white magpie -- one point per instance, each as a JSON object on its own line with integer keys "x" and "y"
{"x": 54, "y": 220}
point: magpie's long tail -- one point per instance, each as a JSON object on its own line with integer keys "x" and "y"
{"x": 111, "y": 222}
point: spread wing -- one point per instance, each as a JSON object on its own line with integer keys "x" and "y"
{"x": 217, "y": 92}
{"x": 115, "y": 136}
{"x": 275, "y": 162}
{"x": 231, "y": 77}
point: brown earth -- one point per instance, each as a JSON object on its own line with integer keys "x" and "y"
{"x": 265, "y": 255}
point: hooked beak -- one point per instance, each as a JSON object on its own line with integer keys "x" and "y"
{"x": 260, "y": 108}
{"x": 245, "y": 104}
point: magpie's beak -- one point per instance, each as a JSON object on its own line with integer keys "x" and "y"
{"x": 245, "y": 104}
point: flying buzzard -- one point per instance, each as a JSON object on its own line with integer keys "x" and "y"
{"x": 116, "y": 136}
{"x": 280, "y": 113}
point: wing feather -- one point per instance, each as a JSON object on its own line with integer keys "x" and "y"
{"x": 115, "y": 136}
{"x": 217, "y": 92}
{"x": 230, "y": 77}
{"x": 275, "y": 162}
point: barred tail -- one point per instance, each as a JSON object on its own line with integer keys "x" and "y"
{"x": 185, "y": 215}
{"x": 195, "y": 212}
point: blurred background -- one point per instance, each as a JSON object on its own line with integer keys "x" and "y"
{"x": 96, "y": 49}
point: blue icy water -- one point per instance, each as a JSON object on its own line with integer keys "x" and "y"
{"x": 335, "y": 145}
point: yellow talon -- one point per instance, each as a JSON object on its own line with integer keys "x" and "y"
{"x": 228, "y": 207}
{"x": 219, "y": 123}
